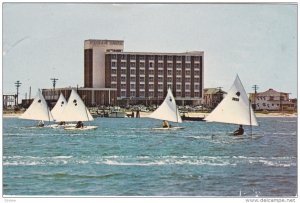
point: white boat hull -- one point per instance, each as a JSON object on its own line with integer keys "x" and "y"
{"x": 81, "y": 129}
{"x": 172, "y": 128}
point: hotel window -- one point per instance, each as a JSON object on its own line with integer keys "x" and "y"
{"x": 197, "y": 58}
{"x": 123, "y": 86}
{"x": 197, "y": 65}
{"x": 187, "y": 86}
{"x": 123, "y": 93}
{"x": 123, "y": 79}
{"x": 113, "y": 64}
{"x": 160, "y": 94}
{"x": 132, "y": 79}
{"x": 178, "y": 58}
{"x": 151, "y": 86}
{"x": 113, "y": 85}
{"x": 151, "y": 79}
{"x": 160, "y": 72}
{"x": 178, "y": 65}
{"x": 170, "y": 58}
{"x": 142, "y": 86}
{"x": 160, "y": 86}
{"x": 113, "y": 71}
{"x": 151, "y": 65}
{"x": 187, "y": 79}
{"x": 123, "y": 57}
{"x": 123, "y": 71}
{"x": 151, "y": 94}
{"x": 169, "y": 86}
{"x": 178, "y": 79}
{"x": 132, "y": 86}
{"x": 187, "y": 94}
{"x": 142, "y": 79}
{"x": 178, "y": 87}
{"x": 142, "y": 72}
{"x": 170, "y": 79}
{"x": 160, "y": 79}
{"x": 197, "y": 79}
{"x": 113, "y": 78}
{"x": 132, "y": 64}
{"x": 142, "y": 57}
{"x": 160, "y": 65}
{"x": 151, "y": 72}
{"x": 160, "y": 57}
{"x": 188, "y": 58}
{"x": 197, "y": 87}
{"x": 113, "y": 56}
{"x": 123, "y": 64}
{"x": 178, "y": 72}
{"x": 142, "y": 94}
{"x": 196, "y": 72}
{"x": 170, "y": 65}
{"x": 132, "y": 71}
{"x": 197, "y": 94}
{"x": 188, "y": 65}
{"x": 188, "y": 72}
{"x": 132, "y": 93}
{"x": 132, "y": 57}
{"x": 151, "y": 57}
{"x": 178, "y": 94}
{"x": 169, "y": 72}
{"x": 142, "y": 64}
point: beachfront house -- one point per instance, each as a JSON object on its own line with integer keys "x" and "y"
{"x": 272, "y": 100}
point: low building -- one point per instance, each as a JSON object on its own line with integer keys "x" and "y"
{"x": 212, "y": 97}
{"x": 272, "y": 100}
{"x": 90, "y": 96}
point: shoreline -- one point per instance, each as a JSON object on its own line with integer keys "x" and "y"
{"x": 190, "y": 114}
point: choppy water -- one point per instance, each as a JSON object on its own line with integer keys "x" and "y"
{"x": 124, "y": 157}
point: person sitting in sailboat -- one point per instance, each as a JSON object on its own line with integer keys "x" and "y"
{"x": 166, "y": 124}
{"x": 239, "y": 131}
{"x": 41, "y": 124}
{"x": 79, "y": 124}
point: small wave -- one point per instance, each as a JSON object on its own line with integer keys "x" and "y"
{"x": 151, "y": 160}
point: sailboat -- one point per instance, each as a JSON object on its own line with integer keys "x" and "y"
{"x": 235, "y": 108}
{"x": 38, "y": 110}
{"x": 75, "y": 111}
{"x": 59, "y": 106}
{"x": 167, "y": 111}
{"x": 58, "y": 110}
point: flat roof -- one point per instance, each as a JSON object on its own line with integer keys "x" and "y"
{"x": 159, "y": 53}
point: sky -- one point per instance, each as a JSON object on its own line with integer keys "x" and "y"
{"x": 258, "y": 42}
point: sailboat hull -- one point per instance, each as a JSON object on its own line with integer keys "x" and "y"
{"x": 172, "y": 128}
{"x": 81, "y": 129}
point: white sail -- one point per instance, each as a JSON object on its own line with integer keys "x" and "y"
{"x": 167, "y": 110}
{"x": 38, "y": 110}
{"x": 59, "y": 106}
{"x": 234, "y": 108}
{"x": 75, "y": 110}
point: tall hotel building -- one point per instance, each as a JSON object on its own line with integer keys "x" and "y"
{"x": 142, "y": 77}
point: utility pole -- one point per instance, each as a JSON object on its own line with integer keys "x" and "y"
{"x": 219, "y": 96}
{"x": 54, "y": 83}
{"x": 255, "y": 87}
{"x": 18, "y": 84}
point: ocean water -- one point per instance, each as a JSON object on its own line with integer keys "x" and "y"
{"x": 126, "y": 157}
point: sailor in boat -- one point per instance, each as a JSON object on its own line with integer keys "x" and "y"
{"x": 79, "y": 124}
{"x": 62, "y": 123}
{"x": 41, "y": 124}
{"x": 166, "y": 124}
{"x": 239, "y": 131}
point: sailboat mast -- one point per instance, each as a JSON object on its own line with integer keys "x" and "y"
{"x": 250, "y": 116}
